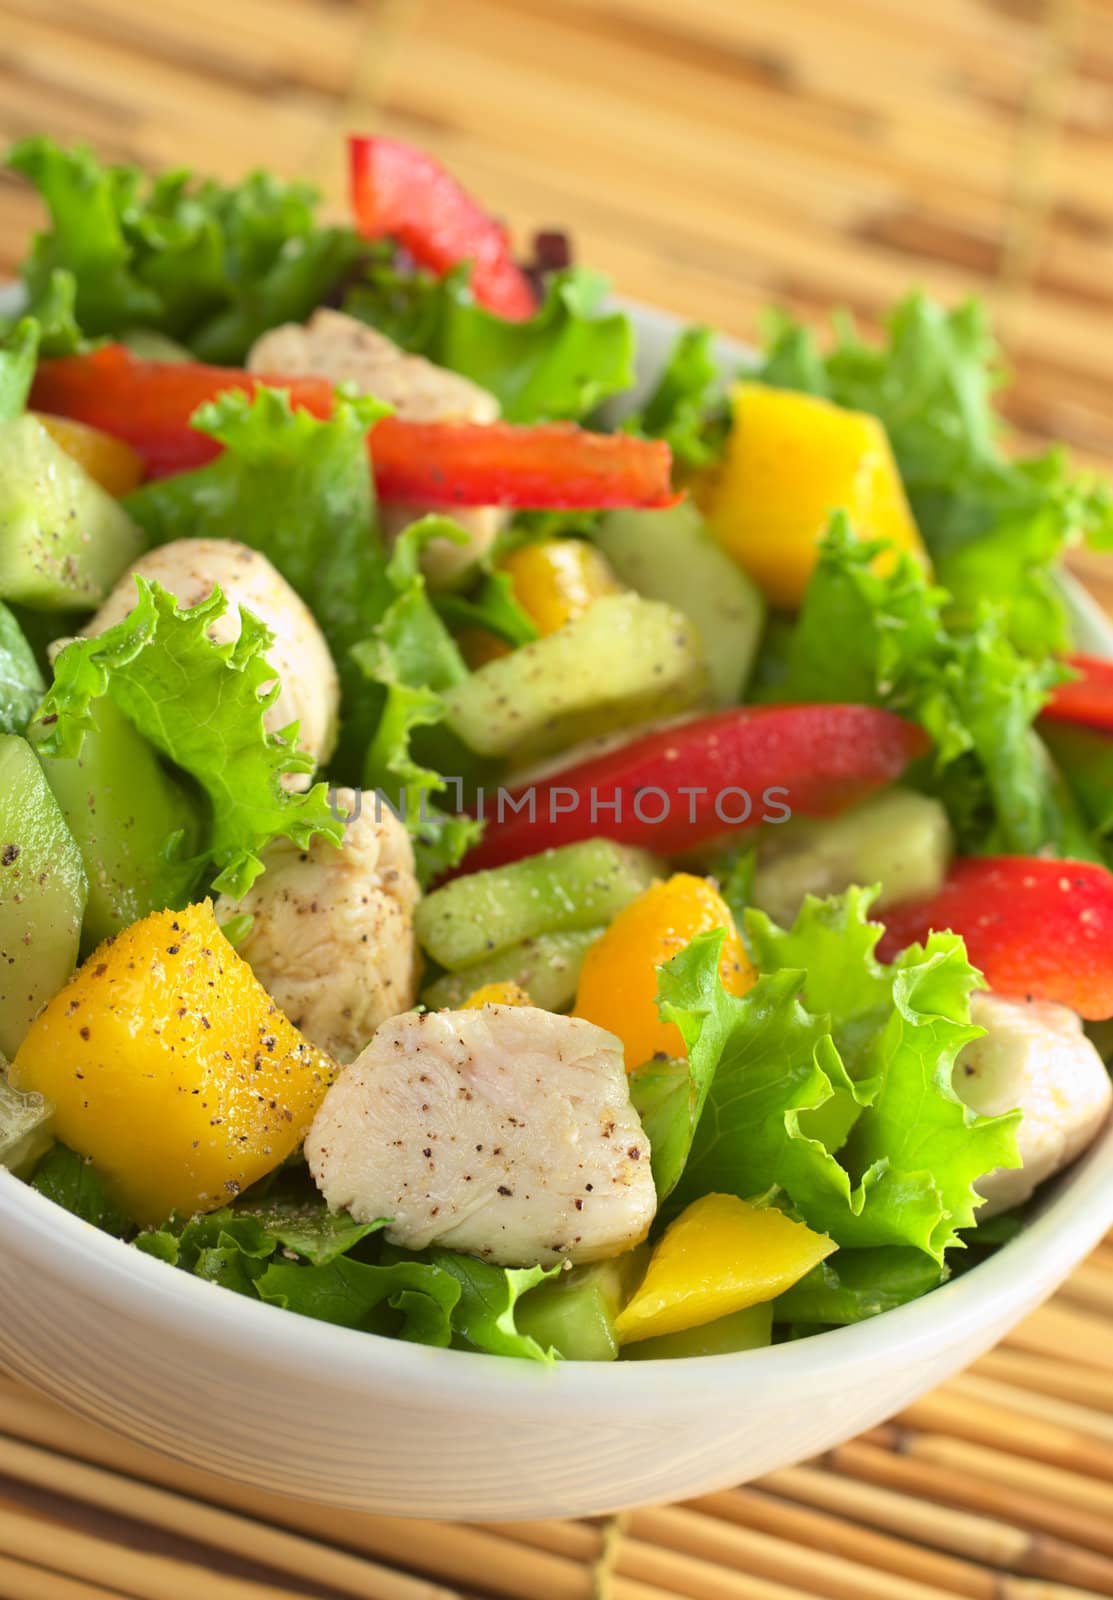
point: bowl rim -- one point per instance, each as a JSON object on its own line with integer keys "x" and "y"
{"x": 1069, "y": 1222}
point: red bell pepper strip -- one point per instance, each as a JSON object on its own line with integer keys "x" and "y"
{"x": 681, "y": 785}
{"x": 401, "y": 191}
{"x": 1032, "y": 926}
{"x": 149, "y": 403}
{"x": 1088, "y": 698}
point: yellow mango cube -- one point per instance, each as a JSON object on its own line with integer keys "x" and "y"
{"x": 171, "y": 1068}
{"x": 791, "y": 461}
{"x": 721, "y": 1255}
{"x": 497, "y": 994}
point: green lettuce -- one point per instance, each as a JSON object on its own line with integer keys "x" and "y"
{"x": 207, "y": 264}
{"x": 75, "y": 1184}
{"x": 688, "y": 406}
{"x": 560, "y": 363}
{"x": 855, "y": 1284}
{"x": 299, "y": 490}
{"x": 830, "y": 1080}
{"x": 201, "y": 705}
{"x": 484, "y": 1316}
{"x": 995, "y": 525}
{"x": 883, "y": 639}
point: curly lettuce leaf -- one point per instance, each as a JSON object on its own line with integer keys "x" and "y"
{"x": 561, "y": 363}
{"x": 972, "y": 691}
{"x": 995, "y": 525}
{"x": 848, "y": 1111}
{"x": 75, "y": 1184}
{"x": 201, "y": 705}
{"x": 484, "y": 1316}
{"x": 300, "y": 490}
{"x": 207, "y": 264}
{"x": 688, "y": 407}
{"x": 413, "y": 659}
{"x": 856, "y": 1284}
{"x": 21, "y": 682}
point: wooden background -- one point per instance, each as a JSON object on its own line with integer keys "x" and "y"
{"x": 713, "y": 156}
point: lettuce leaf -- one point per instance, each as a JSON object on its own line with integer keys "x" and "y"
{"x": 973, "y": 692}
{"x": 995, "y": 525}
{"x": 21, "y": 682}
{"x": 848, "y": 1110}
{"x": 75, "y": 1184}
{"x": 688, "y": 407}
{"x": 207, "y": 264}
{"x": 560, "y": 363}
{"x": 201, "y": 705}
{"x": 300, "y": 490}
{"x": 413, "y": 659}
{"x": 856, "y": 1284}
{"x": 484, "y": 1315}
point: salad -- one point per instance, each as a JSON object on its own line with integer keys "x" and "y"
{"x": 496, "y": 858}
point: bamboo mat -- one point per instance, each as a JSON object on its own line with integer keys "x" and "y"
{"x": 712, "y": 156}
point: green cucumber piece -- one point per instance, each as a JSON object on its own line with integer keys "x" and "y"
{"x": 750, "y": 1329}
{"x": 122, "y": 807}
{"x": 42, "y": 892}
{"x": 24, "y": 1126}
{"x": 21, "y": 682}
{"x": 673, "y": 555}
{"x": 64, "y": 541}
{"x": 547, "y": 967}
{"x": 574, "y": 887}
{"x": 575, "y": 1312}
{"x": 150, "y": 345}
{"x": 625, "y": 661}
{"x": 899, "y": 839}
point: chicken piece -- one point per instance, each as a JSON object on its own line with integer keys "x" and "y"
{"x": 333, "y": 345}
{"x": 332, "y": 938}
{"x": 1034, "y": 1056}
{"x": 505, "y": 1132}
{"x": 189, "y": 569}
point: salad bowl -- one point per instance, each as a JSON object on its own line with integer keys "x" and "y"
{"x": 237, "y": 1387}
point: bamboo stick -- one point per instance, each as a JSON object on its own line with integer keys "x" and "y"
{"x": 1055, "y": 1329}
{"x": 220, "y": 1530}
{"x": 18, "y": 1581}
{"x": 1083, "y": 1385}
{"x": 1012, "y": 1471}
{"x": 965, "y": 1418}
{"x": 1084, "y": 1419}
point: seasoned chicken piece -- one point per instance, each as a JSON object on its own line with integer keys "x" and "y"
{"x": 1034, "y": 1056}
{"x": 189, "y": 569}
{"x": 332, "y": 938}
{"x": 505, "y": 1132}
{"x": 332, "y": 345}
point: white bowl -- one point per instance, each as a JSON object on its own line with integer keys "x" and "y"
{"x": 285, "y": 1403}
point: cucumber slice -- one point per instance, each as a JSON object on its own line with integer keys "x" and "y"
{"x": 625, "y": 661}
{"x": 750, "y": 1329}
{"x": 672, "y": 555}
{"x": 63, "y": 540}
{"x": 899, "y": 839}
{"x": 122, "y": 807}
{"x": 547, "y": 967}
{"x": 575, "y": 1312}
{"x": 42, "y": 892}
{"x": 576, "y": 887}
{"x": 24, "y": 1126}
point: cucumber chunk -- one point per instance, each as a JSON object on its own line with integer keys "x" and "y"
{"x": 122, "y": 807}
{"x": 672, "y": 555}
{"x": 24, "y": 1126}
{"x": 899, "y": 839}
{"x": 575, "y": 1312}
{"x": 750, "y": 1329}
{"x": 575, "y": 887}
{"x": 63, "y": 540}
{"x": 42, "y": 892}
{"x": 625, "y": 661}
{"x": 547, "y": 967}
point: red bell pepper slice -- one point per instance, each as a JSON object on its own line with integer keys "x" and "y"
{"x": 1088, "y": 698}
{"x": 682, "y": 785}
{"x": 556, "y": 465}
{"x": 1032, "y": 926}
{"x": 401, "y": 191}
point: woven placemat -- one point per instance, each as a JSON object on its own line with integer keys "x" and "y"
{"x": 999, "y": 1486}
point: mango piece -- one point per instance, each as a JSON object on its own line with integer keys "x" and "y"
{"x": 618, "y": 980}
{"x": 496, "y": 994}
{"x": 111, "y": 462}
{"x": 721, "y": 1255}
{"x": 554, "y": 581}
{"x": 171, "y": 1068}
{"x": 793, "y": 459}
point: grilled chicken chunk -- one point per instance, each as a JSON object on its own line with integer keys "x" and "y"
{"x": 332, "y": 937}
{"x": 1034, "y": 1056}
{"x": 332, "y": 345}
{"x": 189, "y": 569}
{"x": 505, "y": 1132}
